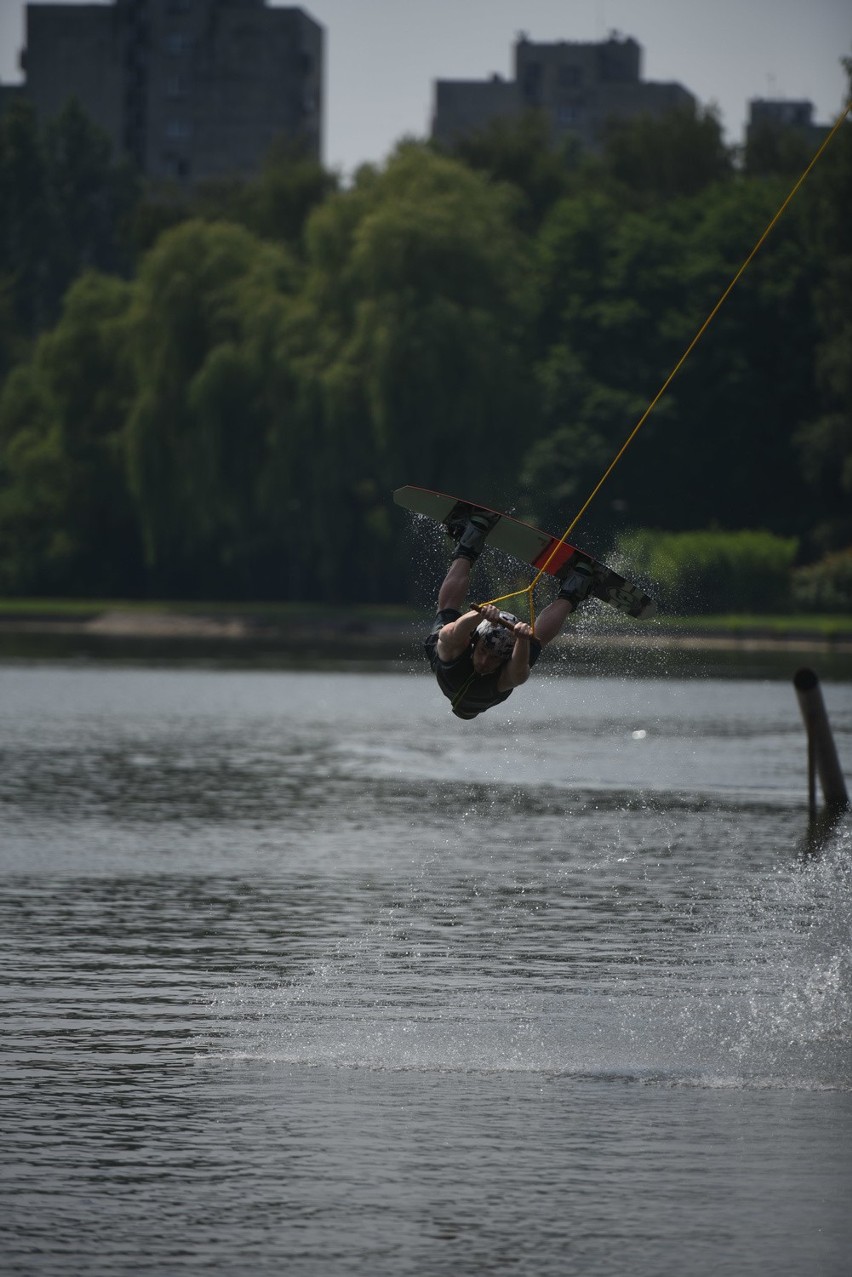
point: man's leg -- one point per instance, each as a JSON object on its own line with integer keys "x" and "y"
{"x": 575, "y": 588}
{"x": 456, "y": 584}
{"x": 451, "y": 597}
{"x": 551, "y": 619}
{"x": 470, "y": 542}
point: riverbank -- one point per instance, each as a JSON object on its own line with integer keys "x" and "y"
{"x": 291, "y": 626}
{"x": 377, "y": 631}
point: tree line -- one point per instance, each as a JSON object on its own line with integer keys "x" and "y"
{"x": 211, "y": 394}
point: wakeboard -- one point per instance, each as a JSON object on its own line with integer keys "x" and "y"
{"x": 522, "y": 541}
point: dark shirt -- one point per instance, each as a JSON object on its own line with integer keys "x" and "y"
{"x": 469, "y": 693}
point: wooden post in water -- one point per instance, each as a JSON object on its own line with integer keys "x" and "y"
{"x": 822, "y": 754}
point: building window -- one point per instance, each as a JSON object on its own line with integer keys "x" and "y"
{"x": 176, "y": 86}
{"x": 178, "y": 130}
{"x": 178, "y": 42}
{"x": 531, "y": 86}
{"x": 569, "y": 77}
{"x": 569, "y": 113}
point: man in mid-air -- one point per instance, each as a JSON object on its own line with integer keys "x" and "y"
{"x": 477, "y": 659}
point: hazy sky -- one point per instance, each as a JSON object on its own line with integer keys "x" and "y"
{"x": 382, "y": 56}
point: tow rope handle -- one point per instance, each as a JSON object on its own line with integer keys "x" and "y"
{"x": 508, "y": 625}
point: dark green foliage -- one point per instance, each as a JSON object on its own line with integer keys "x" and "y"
{"x": 94, "y": 196}
{"x": 704, "y": 572}
{"x": 29, "y": 221}
{"x": 65, "y": 206}
{"x": 274, "y": 205}
{"x": 680, "y": 154}
{"x": 416, "y": 294}
{"x": 227, "y": 415}
{"x": 825, "y": 586}
{"x": 622, "y": 296}
{"x": 823, "y": 439}
{"x": 67, "y": 523}
{"x": 771, "y": 150}
{"x": 521, "y": 153}
{"x": 197, "y": 439}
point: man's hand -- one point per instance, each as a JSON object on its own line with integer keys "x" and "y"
{"x": 520, "y": 630}
{"x": 488, "y": 612}
{"x": 517, "y": 669}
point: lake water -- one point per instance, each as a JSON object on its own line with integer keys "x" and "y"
{"x": 303, "y": 976}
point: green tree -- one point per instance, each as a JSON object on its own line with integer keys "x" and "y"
{"x": 274, "y": 204}
{"x": 679, "y": 153}
{"x": 609, "y": 296}
{"x": 726, "y": 452}
{"x": 13, "y": 343}
{"x": 713, "y": 571}
{"x": 772, "y": 149}
{"x": 29, "y": 224}
{"x": 95, "y": 196}
{"x": 824, "y": 439}
{"x": 624, "y": 294}
{"x": 65, "y": 207}
{"x": 230, "y": 423}
{"x": 67, "y": 525}
{"x": 198, "y": 435}
{"x": 522, "y": 152}
{"x": 418, "y": 286}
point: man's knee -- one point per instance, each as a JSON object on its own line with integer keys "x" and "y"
{"x": 443, "y": 617}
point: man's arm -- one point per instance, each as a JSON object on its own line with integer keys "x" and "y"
{"x": 454, "y": 637}
{"x": 517, "y": 669}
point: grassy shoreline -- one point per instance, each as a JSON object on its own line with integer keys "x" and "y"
{"x": 254, "y": 616}
{"x": 18, "y": 609}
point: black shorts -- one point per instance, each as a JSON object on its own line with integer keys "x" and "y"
{"x": 443, "y": 618}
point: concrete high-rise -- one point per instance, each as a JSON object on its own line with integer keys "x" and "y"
{"x": 190, "y": 89}
{"x": 782, "y": 116}
{"x": 577, "y": 86}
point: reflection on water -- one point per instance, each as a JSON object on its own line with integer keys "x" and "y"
{"x": 301, "y": 976}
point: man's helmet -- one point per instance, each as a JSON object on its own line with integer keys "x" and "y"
{"x": 496, "y": 638}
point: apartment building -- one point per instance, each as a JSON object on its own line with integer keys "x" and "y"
{"x": 190, "y": 89}
{"x": 578, "y": 86}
